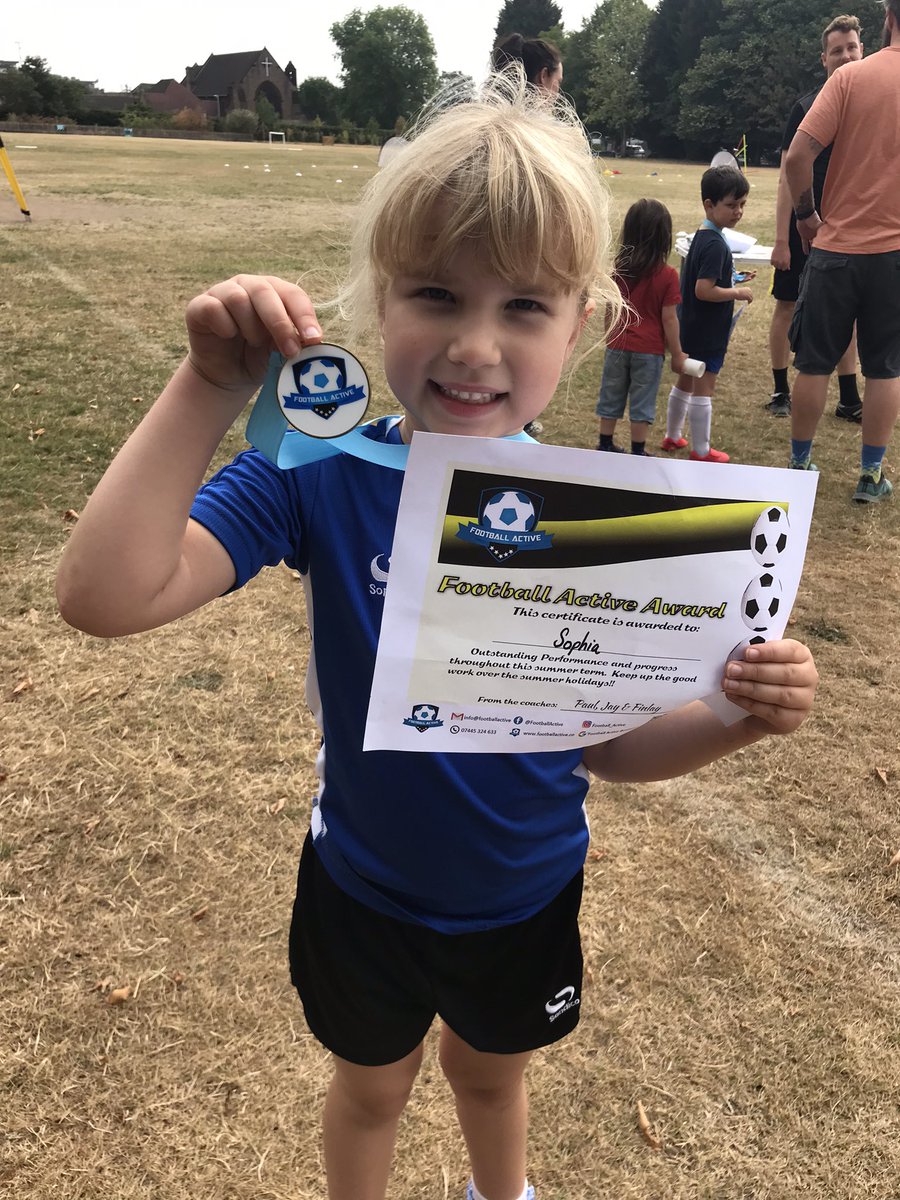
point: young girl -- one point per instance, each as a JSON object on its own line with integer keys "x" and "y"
{"x": 430, "y": 884}
{"x": 634, "y": 356}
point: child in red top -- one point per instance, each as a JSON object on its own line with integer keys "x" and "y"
{"x": 637, "y": 345}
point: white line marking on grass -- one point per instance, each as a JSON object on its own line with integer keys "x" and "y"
{"x": 805, "y": 893}
{"x": 135, "y": 334}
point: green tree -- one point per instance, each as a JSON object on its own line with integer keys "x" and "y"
{"x": 459, "y": 81}
{"x": 528, "y": 17}
{"x": 749, "y": 72}
{"x": 33, "y": 90}
{"x": 676, "y": 33}
{"x": 579, "y": 58}
{"x": 615, "y": 99}
{"x": 388, "y": 64}
{"x": 319, "y": 97}
{"x": 266, "y": 116}
{"x": 18, "y": 94}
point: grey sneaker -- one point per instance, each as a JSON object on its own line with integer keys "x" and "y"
{"x": 870, "y": 491}
{"x": 780, "y": 404}
{"x": 849, "y": 412}
{"x": 533, "y": 428}
{"x": 802, "y": 464}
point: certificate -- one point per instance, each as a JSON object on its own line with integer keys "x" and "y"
{"x": 543, "y": 598}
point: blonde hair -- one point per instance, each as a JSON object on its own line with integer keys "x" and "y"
{"x": 508, "y": 168}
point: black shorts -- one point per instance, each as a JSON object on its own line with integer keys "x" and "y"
{"x": 371, "y": 985}
{"x": 838, "y": 290}
{"x": 786, "y": 284}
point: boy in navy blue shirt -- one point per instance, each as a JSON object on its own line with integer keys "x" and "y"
{"x": 707, "y": 311}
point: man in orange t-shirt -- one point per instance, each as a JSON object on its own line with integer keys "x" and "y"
{"x": 853, "y": 273}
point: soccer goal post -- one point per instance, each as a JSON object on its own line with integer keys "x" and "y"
{"x": 276, "y": 135}
{"x": 13, "y": 182}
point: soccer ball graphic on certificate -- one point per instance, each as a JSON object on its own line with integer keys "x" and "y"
{"x": 760, "y": 602}
{"x": 769, "y": 538}
{"x": 509, "y": 511}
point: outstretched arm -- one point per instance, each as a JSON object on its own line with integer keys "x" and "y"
{"x": 775, "y": 684}
{"x": 798, "y": 169}
{"x": 781, "y": 251}
{"x": 135, "y": 560}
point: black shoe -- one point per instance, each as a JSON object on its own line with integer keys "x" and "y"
{"x": 850, "y": 412}
{"x": 613, "y": 449}
{"x": 780, "y": 404}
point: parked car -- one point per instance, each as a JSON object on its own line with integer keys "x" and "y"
{"x": 635, "y": 148}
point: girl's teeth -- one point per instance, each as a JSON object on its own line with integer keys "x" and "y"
{"x": 478, "y": 397}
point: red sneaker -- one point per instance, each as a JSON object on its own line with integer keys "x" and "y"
{"x": 713, "y": 456}
{"x": 670, "y": 444}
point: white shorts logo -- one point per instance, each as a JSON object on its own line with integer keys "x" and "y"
{"x": 561, "y": 1002}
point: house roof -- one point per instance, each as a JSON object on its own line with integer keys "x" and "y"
{"x": 222, "y": 71}
{"x": 162, "y": 85}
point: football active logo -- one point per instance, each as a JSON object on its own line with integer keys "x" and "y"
{"x": 424, "y": 716}
{"x": 323, "y": 391}
{"x": 507, "y": 523}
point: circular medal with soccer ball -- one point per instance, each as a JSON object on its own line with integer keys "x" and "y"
{"x": 323, "y": 391}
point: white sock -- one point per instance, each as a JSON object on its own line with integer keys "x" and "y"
{"x": 700, "y": 417}
{"x": 476, "y": 1195}
{"x": 678, "y": 406}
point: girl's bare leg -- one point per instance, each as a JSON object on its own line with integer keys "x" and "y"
{"x": 492, "y": 1107}
{"x": 362, "y": 1110}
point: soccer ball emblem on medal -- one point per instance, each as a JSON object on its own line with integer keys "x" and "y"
{"x": 323, "y": 391}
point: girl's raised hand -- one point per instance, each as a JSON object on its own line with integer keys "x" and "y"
{"x": 775, "y": 683}
{"x": 234, "y": 327}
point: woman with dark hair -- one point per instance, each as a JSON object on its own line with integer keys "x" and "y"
{"x": 541, "y": 61}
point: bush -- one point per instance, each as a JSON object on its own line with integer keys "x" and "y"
{"x": 241, "y": 120}
{"x": 189, "y": 118}
{"x": 141, "y": 116}
{"x": 100, "y": 116}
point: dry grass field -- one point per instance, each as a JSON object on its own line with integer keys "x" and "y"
{"x": 740, "y": 926}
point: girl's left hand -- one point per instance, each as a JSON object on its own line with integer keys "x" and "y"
{"x": 775, "y": 683}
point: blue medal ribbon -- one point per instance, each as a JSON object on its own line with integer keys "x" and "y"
{"x": 268, "y": 430}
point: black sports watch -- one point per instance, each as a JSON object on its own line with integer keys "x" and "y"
{"x": 805, "y": 215}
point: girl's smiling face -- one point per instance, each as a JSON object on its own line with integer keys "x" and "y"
{"x": 465, "y": 352}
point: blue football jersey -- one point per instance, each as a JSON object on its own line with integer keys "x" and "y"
{"x": 458, "y": 842}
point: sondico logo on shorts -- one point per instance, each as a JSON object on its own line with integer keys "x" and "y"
{"x": 379, "y": 575}
{"x": 562, "y": 1002}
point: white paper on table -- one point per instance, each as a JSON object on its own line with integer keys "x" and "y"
{"x": 743, "y": 247}
{"x": 543, "y": 597}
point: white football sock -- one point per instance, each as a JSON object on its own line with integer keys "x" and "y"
{"x": 700, "y": 417}
{"x": 678, "y": 406}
